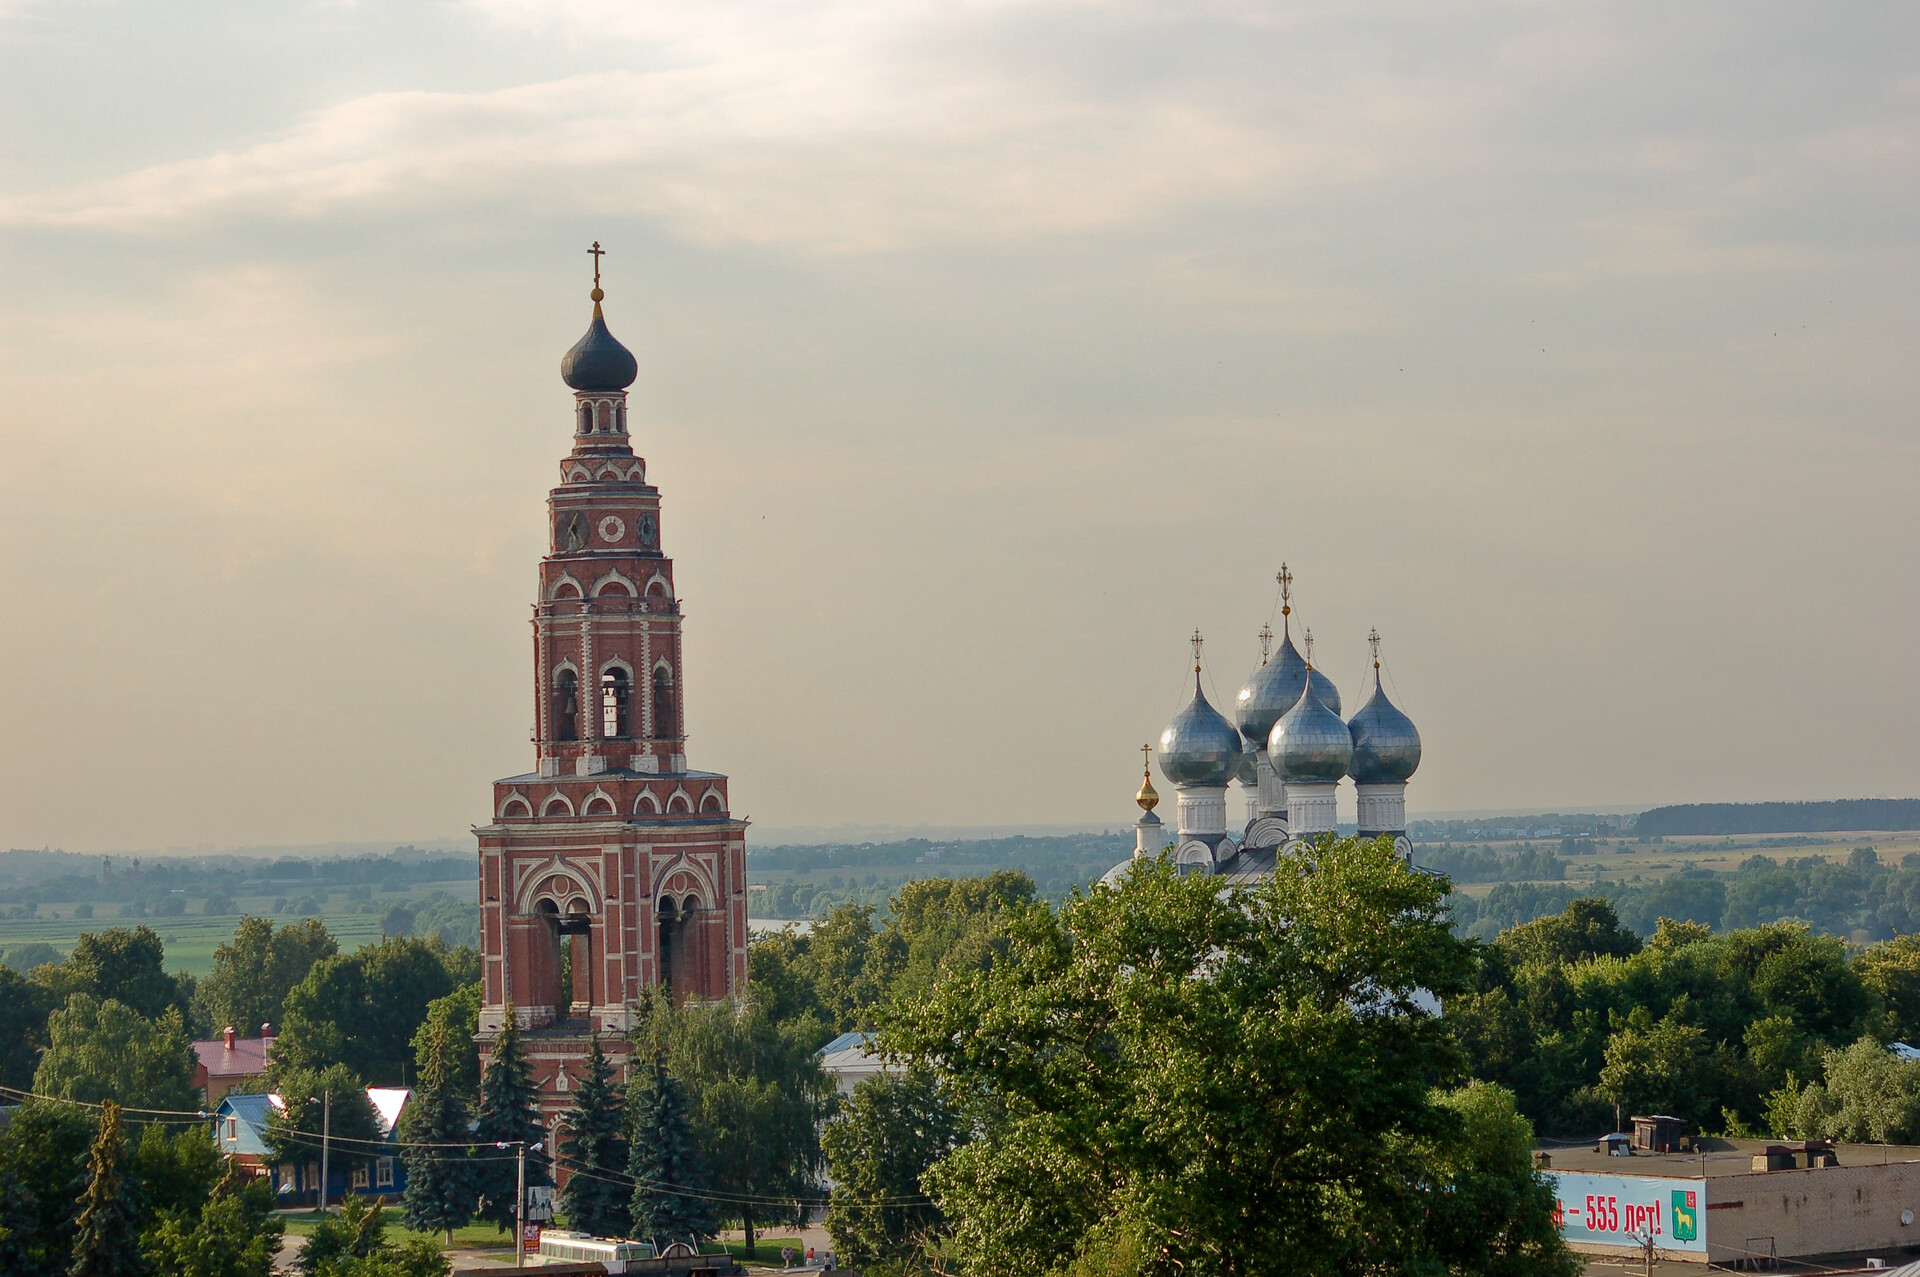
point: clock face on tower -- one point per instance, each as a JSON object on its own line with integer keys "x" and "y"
{"x": 648, "y": 530}
{"x": 571, "y": 533}
{"x": 611, "y": 529}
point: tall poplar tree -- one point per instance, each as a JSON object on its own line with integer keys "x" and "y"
{"x": 509, "y": 1114}
{"x": 669, "y": 1200}
{"x": 593, "y": 1148}
{"x": 107, "y": 1233}
{"x": 440, "y": 1181}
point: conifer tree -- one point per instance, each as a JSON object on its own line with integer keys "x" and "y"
{"x": 594, "y": 1149}
{"x": 669, "y": 1200}
{"x": 509, "y": 1114}
{"x": 440, "y": 1182}
{"x": 107, "y": 1240}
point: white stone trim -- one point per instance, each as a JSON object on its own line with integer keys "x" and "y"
{"x": 612, "y": 579}
{"x": 600, "y": 795}
{"x": 546, "y": 807}
{"x": 566, "y": 579}
{"x": 1202, "y": 809}
{"x": 513, "y": 796}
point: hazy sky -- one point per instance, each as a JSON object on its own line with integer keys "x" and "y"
{"x": 986, "y": 349}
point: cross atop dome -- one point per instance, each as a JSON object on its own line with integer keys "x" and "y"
{"x": 598, "y": 363}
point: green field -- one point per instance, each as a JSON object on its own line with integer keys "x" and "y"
{"x": 192, "y": 938}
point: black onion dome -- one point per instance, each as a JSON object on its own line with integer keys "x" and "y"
{"x": 598, "y": 361}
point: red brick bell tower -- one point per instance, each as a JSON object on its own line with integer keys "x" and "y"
{"x": 612, "y": 846}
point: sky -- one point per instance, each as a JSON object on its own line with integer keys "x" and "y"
{"x": 987, "y": 350}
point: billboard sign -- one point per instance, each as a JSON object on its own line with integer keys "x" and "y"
{"x": 1619, "y": 1210}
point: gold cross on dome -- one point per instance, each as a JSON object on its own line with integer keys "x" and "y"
{"x": 597, "y": 253}
{"x": 1266, "y": 642}
{"x": 1146, "y": 758}
{"x": 1373, "y": 641}
{"x": 1197, "y": 641}
{"x": 1285, "y": 578}
{"x": 1309, "y": 634}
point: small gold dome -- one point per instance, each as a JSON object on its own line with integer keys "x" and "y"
{"x": 1147, "y": 798}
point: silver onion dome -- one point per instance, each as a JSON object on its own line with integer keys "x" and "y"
{"x": 1323, "y": 688}
{"x": 1310, "y": 744}
{"x": 1386, "y": 746}
{"x": 1271, "y": 691}
{"x": 1248, "y": 771}
{"x": 1200, "y": 747}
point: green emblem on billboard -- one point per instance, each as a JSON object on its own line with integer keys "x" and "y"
{"x": 1686, "y": 1219}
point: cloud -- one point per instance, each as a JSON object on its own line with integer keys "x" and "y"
{"x": 851, "y": 127}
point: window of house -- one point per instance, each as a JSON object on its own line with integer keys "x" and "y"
{"x": 233, "y": 1130}
{"x": 383, "y": 1173}
{"x": 360, "y": 1177}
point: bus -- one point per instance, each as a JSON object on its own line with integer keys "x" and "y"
{"x": 559, "y": 1246}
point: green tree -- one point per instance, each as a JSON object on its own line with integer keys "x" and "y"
{"x": 236, "y": 1234}
{"x": 1202, "y": 1079}
{"x": 670, "y": 1199}
{"x": 107, "y": 1232}
{"x": 1663, "y": 1066}
{"x": 440, "y": 1183}
{"x": 24, "y": 1006}
{"x": 1587, "y": 928}
{"x": 459, "y": 1015}
{"x": 1496, "y": 1218}
{"x": 177, "y": 1171}
{"x": 357, "y": 1233}
{"x": 101, "y": 1049}
{"x": 1870, "y": 1096}
{"x": 508, "y": 1114}
{"x": 891, "y": 1129}
{"x": 362, "y": 1008}
{"x": 328, "y": 1102}
{"x": 1891, "y": 970}
{"x": 255, "y": 970}
{"x": 758, "y": 1097}
{"x": 122, "y": 964}
{"x": 42, "y": 1156}
{"x": 593, "y": 1147}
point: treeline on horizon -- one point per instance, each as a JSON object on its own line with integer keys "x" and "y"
{"x": 60, "y": 877}
{"x": 1834, "y": 816}
{"x": 1856, "y": 897}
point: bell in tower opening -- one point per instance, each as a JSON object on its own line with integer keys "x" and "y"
{"x": 611, "y": 846}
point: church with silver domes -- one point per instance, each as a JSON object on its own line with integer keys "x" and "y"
{"x": 1289, "y": 750}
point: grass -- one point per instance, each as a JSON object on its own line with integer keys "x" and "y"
{"x": 192, "y": 938}
{"x": 768, "y": 1247}
{"x": 486, "y": 1236}
{"x": 472, "y": 1237}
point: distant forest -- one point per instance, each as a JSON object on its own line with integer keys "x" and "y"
{"x": 1781, "y": 818}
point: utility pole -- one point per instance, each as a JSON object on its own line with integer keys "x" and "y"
{"x": 326, "y": 1132}
{"x": 520, "y": 1150}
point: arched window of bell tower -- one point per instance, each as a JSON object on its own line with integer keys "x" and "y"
{"x": 665, "y": 725}
{"x": 620, "y": 419}
{"x": 616, "y": 704}
{"x": 566, "y": 705}
{"x": 586, "y": 418}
